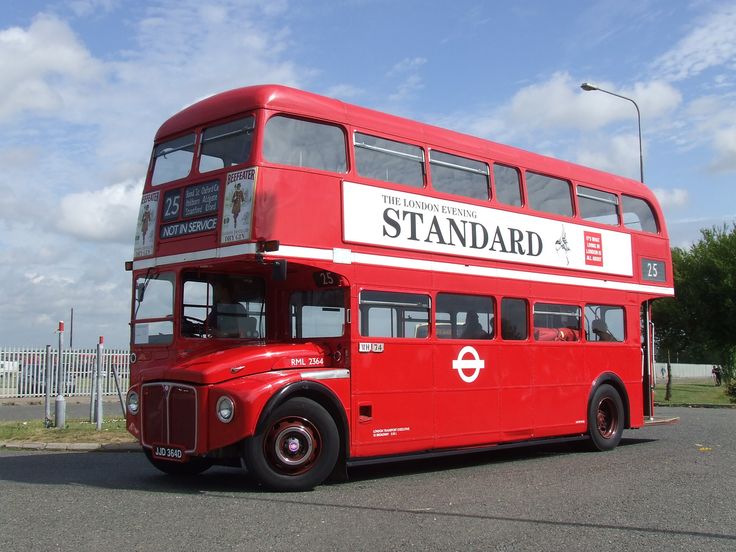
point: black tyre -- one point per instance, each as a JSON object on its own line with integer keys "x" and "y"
{"x": 296, "y": 449}
{"x": 605, "y": 418}
{"x": 193, "y": 466}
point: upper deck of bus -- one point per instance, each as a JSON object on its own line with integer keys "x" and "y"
{"x": 283, "y": 99}
{"x": 265, "y": 101}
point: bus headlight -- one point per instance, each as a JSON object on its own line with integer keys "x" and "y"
{"x": 225, "y": 409}
{"x": 133, "y": 402}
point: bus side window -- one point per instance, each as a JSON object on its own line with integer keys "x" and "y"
{"x": 514, "y": 317}
{"x": 299, "y": 143}
{"x": 604, "y": 323}
{"x": 553, "y": 322}
{"x": 319, "y": 313}
{"x": 507, "y": 185}
{"x": 464, "y": 316}
{"x": 598, "y": 206}
{"x": 389, "y": 160}
{"x": 549, "y": 194}
{"x": 458, "y": 175}
{"x": 638, "y": 214}
{"x": 391, "y": 314}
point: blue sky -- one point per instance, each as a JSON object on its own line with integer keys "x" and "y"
{"x": 86, "y": 83}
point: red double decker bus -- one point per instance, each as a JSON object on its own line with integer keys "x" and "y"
{"x": 317, "y": 285}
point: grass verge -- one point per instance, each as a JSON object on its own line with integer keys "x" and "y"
{"x": 76, "y": 431}
{"x": 692, "y": 391}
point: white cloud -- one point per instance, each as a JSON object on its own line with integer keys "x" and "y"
{"x": 108, "y": 214}
{"x": 77, "y": 136}
{"x": 675, "y": 197}
{"x": 711, "y": 44}
{"x": 558, "y": 104}
{"x": 656, "y": 99}
{"x": 554, "y": 103}
{"x": 83, "y": 8}
{"x": 540, "y": 117}
{"x": 407, "y": 65}
{"x": 344, "y": 91}
{"x": 37, "y": 295}
{"x": 411, "y": 82}
{"x": 617, "y": 154}
{"x": 42, "y": 67}
{"x": 713, "y": 121}
{"x": 724, "y": 145}
{"x": 407, "y": 88}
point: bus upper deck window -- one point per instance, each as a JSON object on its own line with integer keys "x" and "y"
{"x": 507, "y": 185}
{"x": 300, "y": 143}
{"x": 458, "y": 175}
{"x": 226, "y": 145}
{"x": 172, "y": 160}
{"x": 598, "y": 206}
{"x": 638, "y": 214}
{"x": 389, "y": 160}
{"x": 549, "y": 194}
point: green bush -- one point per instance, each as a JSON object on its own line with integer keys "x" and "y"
{"x": 731, "y": 390}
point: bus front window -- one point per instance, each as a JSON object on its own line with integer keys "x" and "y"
{"x": 226, "y": 145}
{"x": 223, "y": 306}
{"x": 172, "y": 160}
{"x": 154, "y": 309}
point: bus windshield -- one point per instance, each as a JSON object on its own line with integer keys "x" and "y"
{"x": 223, "y": 306}
{"x": 154, "y": 309}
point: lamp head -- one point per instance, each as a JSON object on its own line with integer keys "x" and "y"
{"x": 588, "y": 87}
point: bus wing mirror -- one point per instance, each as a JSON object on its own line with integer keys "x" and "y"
{"x": 280, "y": 270}
{"x": 140, "y": 290}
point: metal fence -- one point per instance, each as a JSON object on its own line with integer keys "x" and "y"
{"x": 23, "y": 371}
{"x": 683, "y": 370}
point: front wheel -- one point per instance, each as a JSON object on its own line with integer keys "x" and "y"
{"x": 605, "y": 418}
{"x": 295, "y": 449}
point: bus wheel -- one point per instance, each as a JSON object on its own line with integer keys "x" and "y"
{"x": 296, "y": 448}
{"x": 193, "y": 466}
{"x": 605, "y": 418}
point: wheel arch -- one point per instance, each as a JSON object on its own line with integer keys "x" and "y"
{"x": 322, "y": 395}
{"x": 614, "y": 381}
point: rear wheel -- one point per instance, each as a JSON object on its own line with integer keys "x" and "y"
{"x": 605, "y": 418}
{"x": 295, "y": 449}
{"x": 193, "y": 466}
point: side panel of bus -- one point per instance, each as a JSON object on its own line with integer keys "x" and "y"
{"x": 466, "y": 392}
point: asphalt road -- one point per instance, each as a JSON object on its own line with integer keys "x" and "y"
{"x": 665, "y": 488}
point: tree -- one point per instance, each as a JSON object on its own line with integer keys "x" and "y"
{"x": 699, "y": 325}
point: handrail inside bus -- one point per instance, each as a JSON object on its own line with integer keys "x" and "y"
{"x": 459, "y": 167}
{"x": 417, "y": 158}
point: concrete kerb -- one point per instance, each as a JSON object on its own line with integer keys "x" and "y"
{"x": 693, "y": 405}
{"x": 72, "y": 447}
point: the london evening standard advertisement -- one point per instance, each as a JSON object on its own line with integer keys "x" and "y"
{"x": 410, "y": 221}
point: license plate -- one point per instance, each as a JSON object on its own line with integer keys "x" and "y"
{"x": 168, "y": 452}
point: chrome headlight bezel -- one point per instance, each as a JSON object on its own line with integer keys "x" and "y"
{"x": 224, "y": 405}
{"x": 133, "y": 402}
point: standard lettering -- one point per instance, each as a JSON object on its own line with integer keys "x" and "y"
{"x": 461, "y": 233}
{"x": 394, "y": 223}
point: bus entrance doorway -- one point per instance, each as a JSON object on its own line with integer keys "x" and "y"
{"x": 647, "y": 349}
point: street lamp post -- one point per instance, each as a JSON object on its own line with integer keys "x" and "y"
{"x": 588, "y": 87}
{"x": 648, "y": 365}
